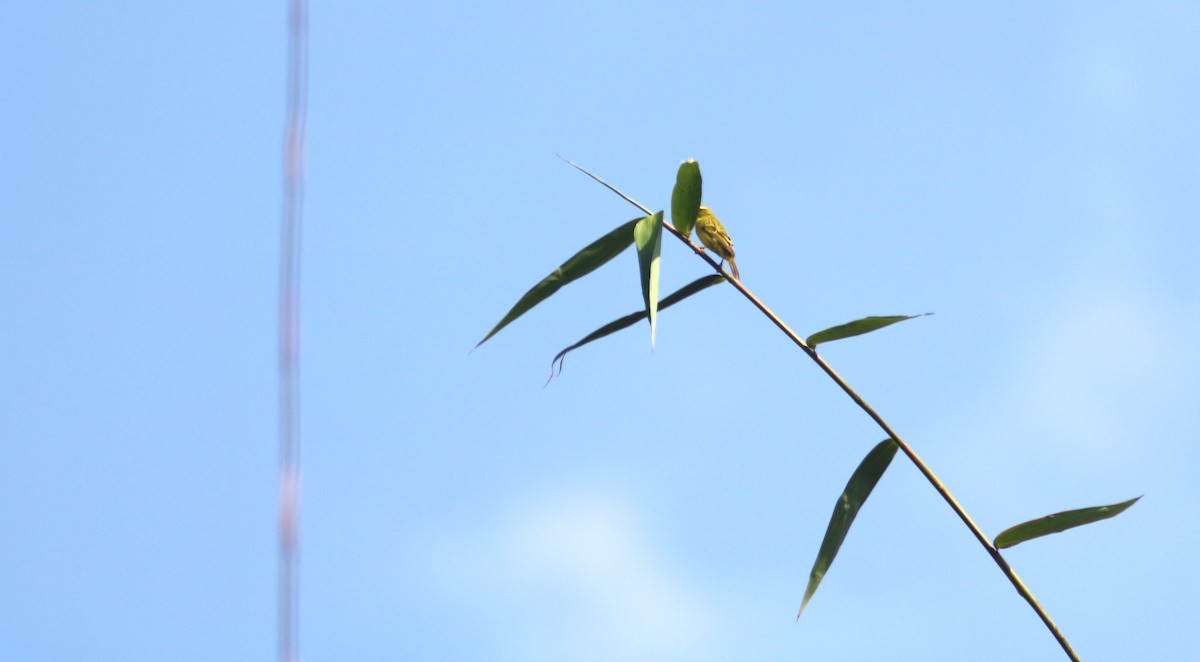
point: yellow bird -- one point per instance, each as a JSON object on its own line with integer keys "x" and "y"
{"x": 713, "y": 235}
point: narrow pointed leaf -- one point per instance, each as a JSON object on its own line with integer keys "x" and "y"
{"x": 633, "y": 318}
{"x": 685, "y": 199}
{"x": 647, "y": 234}
{"x": 868, "y": 473}
{"x": 1059, "y": 522}
{"x": 581, "y": 264}
{"x": 857, "y": 328}
{"x": 606, "y": 185}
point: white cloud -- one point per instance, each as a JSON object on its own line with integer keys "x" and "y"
{"x": 576, "y": 576}
{"x": 1094, "y": 380}
{"x": 1092, "y": 370}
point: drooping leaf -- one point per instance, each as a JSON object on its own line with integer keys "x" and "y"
{"x": 857, "y": 328}
{"x": 857, "y": 490}
{"x": 685, "y": 199}
{"x": 581, "y": 264}
{"x": 633, "y": 318}
{"x": 1059, "y": 522}
{"x": 647, "y": 234}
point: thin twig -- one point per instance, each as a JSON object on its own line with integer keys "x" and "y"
{"x": 289, "y": 333}
{"x": 1019, "y": 585}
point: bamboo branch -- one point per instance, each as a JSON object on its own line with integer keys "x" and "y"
{"x": 1019, "y": 585}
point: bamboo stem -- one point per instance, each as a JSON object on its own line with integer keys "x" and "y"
{"x": 1019, "y": 585}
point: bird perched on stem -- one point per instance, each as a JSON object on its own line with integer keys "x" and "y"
{"x": 713, "y": 235}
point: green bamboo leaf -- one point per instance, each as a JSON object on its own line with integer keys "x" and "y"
{"x": 868, "y": 473}
{"x": 856, "y": 328}
{"x": 1059, "y": 522}
{"x": 581, "y": 264}
{"x": 685, "y": 199}
{"x": 647, "y": 234}
{"x": 606, "y": 185}
{"x": 633, "y": 318}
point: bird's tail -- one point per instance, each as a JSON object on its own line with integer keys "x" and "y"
{"x": 733, "y": 268}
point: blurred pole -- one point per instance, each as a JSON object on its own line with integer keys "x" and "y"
{"x": 289, "y": 333}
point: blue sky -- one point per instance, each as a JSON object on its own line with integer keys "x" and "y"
{"x": 1025, "y": 171}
